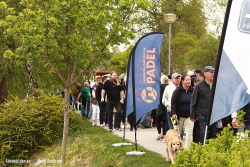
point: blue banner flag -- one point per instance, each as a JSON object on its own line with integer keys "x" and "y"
{"x": 233, "y": 70}
{"x": 143, "y": 76}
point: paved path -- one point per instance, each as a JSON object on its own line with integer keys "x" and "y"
{"x": 145, "y": 138}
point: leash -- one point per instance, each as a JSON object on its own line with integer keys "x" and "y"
{"x": 175, "y": 122}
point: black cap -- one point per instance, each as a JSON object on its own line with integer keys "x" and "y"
{"x": 197, "y": 71}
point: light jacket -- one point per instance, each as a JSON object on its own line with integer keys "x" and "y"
{"x": 167, "y": 95}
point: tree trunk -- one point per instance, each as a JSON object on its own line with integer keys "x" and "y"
{"x": 65, "y": 126}
{"x": 3, "y": 90}
{"x": 32, "y": 82}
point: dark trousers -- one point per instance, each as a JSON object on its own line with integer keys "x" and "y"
{"x": 160, "y": 122}
{"x": 103, "y": 112}
{"x": 118, "y": 107}
{"x": 131, "y": 121}
{"x": 196, "y": 131}
{"x": 211, "y": 129}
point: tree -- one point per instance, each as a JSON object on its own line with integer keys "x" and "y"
{"x": 71, "y": 38}
{"x": 205, "y": 54}
{"x": 195, "y": 18}
{"x": 119, "y": 61}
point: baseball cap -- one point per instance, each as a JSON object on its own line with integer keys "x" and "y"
{"x": 174, "y": 75}
{"x": 197, "y": 71}
{"x": 209, "y": 68}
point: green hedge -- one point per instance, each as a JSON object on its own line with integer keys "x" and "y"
{"x": 32, "y": 124}
{"x": 226, "y": 150}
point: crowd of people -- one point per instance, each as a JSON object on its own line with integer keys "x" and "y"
{"x": 185, "y": 101}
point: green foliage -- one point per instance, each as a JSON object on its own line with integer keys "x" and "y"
{"x": 205, "y": 53}
{"x": 194, "y": 48}
{"x": 32, "y": 124}
{"x": 119, "y": 61}
{"x": 225, "y": 150}
{"x": 92, "y": 147}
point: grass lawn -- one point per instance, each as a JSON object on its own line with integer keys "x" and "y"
{"x": 92, "y": 147}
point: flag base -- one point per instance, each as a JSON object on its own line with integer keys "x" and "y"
{"x": 121, "y": 144}
{"x": 135, "y": 153}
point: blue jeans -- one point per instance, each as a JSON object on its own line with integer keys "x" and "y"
{"x": 168, "y": 124}
{"x": 144, "y": 119}
{"x": 85, "y": 107}
{"x": 74, "y": 101}
{"x": 202, "y": 120}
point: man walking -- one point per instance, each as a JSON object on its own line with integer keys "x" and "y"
{"x": 167, "y": 95}
{"x": 102, "y": 104}
{"x": 199, "y": 104}
{"x": 115, "y": 95}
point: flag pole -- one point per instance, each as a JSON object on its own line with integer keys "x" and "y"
{"x": 134, "y": 97}
{"x": 136, "y": 152}
{"x": 223, "y": 34}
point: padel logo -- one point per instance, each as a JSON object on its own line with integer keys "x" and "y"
{"x": 149, "y": 94}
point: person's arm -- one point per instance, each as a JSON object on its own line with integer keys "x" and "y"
{"x": 165, "y": 96}
{"x": 122, "y": 96}
{"x": 193, "y": 104}
{"x": 102, "y": 95}
{"x": 78, "y": 97}
{"x": 174, "y": 103}
{"x": 93, "y": 93}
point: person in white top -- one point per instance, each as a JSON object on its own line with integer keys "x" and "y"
{"x": 167, "y": 95}
{"x": 95, "y": 107}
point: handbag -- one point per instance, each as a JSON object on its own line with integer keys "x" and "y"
{"x": 93, "y": 101}
{"x": 159, "y": 111}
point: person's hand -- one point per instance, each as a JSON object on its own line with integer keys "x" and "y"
{"x": 194, "y": 120}
{"x": 174, "y": 116}
{"x": 76, "y": 100}
{"x": 121, "y": 101}
{"x": 234, "y": 122}
{"x": 102, "y": 99}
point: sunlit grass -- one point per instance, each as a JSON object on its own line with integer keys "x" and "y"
{"x": 91, "y": 146}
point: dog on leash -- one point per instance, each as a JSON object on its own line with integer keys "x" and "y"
{"x": 173, "y": 144}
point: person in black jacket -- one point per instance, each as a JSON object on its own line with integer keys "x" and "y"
{"x": 115, "y": 95}
{"x": 180, "y": 108}
{"x": 102, "y": 104}
{"x": 161, "y": 112}
{"x": 246, "y": 109}
{"x": 199, "y": 104}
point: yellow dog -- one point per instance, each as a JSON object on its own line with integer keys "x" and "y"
{"x": 173, "y": 144}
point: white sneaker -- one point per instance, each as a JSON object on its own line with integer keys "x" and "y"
{"x": 93, "y": 124}
{"x": 101, "y": 125}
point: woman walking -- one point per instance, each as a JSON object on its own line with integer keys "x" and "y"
{"x": 180, "y": 108}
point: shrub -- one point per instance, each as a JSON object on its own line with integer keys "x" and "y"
{"x": 32, "y": 124}
{"x": 225, "y": 150}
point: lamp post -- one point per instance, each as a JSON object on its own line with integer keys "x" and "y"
{"x": 169, "y": 19}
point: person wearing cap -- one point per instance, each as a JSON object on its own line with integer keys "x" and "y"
{"x": 169, "y": 78}
{"x": 166, "y": 98}
{"x": 197, "y": 73}
{"x": 199, "y": 104}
